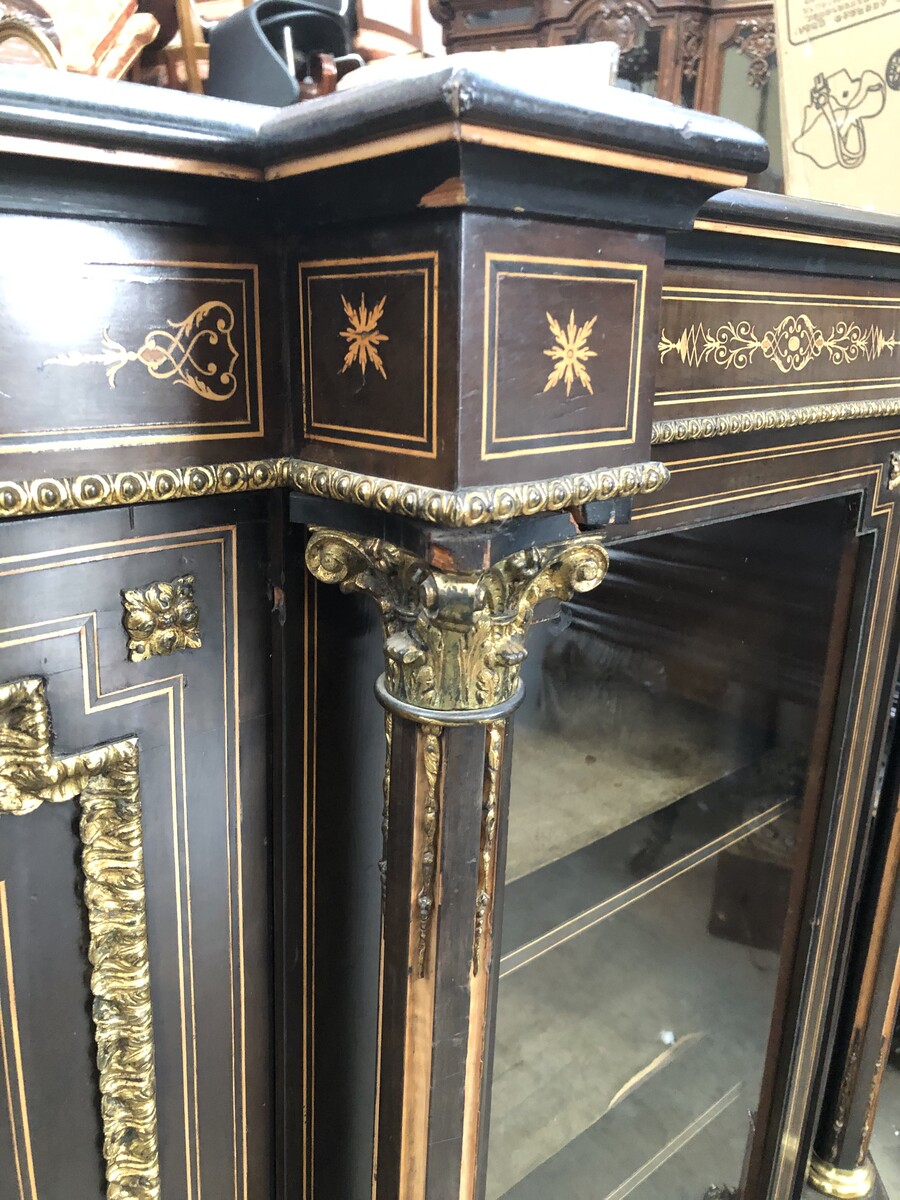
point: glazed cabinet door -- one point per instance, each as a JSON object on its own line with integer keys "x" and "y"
{"x": 669, "y": 799}
{"x": 134, "y": 1003}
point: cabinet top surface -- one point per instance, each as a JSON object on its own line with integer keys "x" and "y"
{"x": 445, "y": 100}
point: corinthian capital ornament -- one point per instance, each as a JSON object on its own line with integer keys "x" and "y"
{"x": 455, "y": 642}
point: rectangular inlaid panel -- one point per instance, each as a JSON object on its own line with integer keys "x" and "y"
{"x": 199, "y": 716}
{"x": 103, "y": 344}
{"x": 568, "y": 331}
{"x": 368, "y": 335}
{"x": 774, "y": 341}
{"x": 557, "y": 348}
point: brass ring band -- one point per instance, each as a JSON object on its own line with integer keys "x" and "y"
{"x": 836, "y": 1181}
{"x": 449, "y": 716}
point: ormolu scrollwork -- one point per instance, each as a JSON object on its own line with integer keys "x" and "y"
{"x": 108, "y": 783}
{"x": 161, "y": 618}
{"x": 488, "y": 838}
{"x": 894, "y": 471}
{"x": 431, "y": 753}
{"x": 455, "y": 641}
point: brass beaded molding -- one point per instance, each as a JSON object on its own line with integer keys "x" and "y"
{"x": 691, "y": 429}
{"x": 107, "y": 784}
{"x": 458, "y": 509}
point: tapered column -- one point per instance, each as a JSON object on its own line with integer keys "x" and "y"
{"x": 454, "y": 644}
{"x": 840, "y": 1164}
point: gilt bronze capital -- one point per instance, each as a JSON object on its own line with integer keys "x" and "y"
{"x": 454, "y": 643}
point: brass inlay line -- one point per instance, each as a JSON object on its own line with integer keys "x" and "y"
{"x": 582, "y": 922}
{"x": 12, "y": 1062}
{"x": 386, "y": 804}
{"x": 447, "y": 131}
{"x": 758, "y": 420}
{"x": 791, "y": 235}
{"x": 106, "y": 781}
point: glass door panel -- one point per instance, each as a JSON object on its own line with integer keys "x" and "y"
{"x": 659, "y": 772}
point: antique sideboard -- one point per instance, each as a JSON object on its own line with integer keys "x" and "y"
{"x": 338, "y": 442}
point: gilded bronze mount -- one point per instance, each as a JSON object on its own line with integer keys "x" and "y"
{"x": 454, "y": 643}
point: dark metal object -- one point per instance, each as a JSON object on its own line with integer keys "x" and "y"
{"x": 263, "y": 53}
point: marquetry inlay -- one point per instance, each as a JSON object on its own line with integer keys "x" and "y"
{"x": 363, "y": 336}
{"x": 791, "y": 345}
{"x": 197, "y": 352}
{"x": 570, "y": 353}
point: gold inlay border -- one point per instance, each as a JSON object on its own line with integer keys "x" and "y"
{"x": 709, "y": 225}
{"x": 107, "y": 784}
{"x": 11, "y": 1056}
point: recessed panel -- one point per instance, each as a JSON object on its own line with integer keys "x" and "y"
{"x": 119, "y": 353}
{"x": 369, "y": 350}
{"x": 723, "y": 349}
{"x": 561, "y": 354}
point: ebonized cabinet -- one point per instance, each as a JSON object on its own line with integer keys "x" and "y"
{"x": 612, "y": 444}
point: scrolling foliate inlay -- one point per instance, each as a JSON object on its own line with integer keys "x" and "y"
{"x": 107, "y": 781}
{"x": 197, "y": 352}
{"x": 455, "y": 641}
{"x": 161, "y": 618}
{"x": 791, "y": 345}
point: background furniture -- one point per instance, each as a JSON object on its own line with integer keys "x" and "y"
{"x": 456, "y": 893}
{"x": 714, "y": 55}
